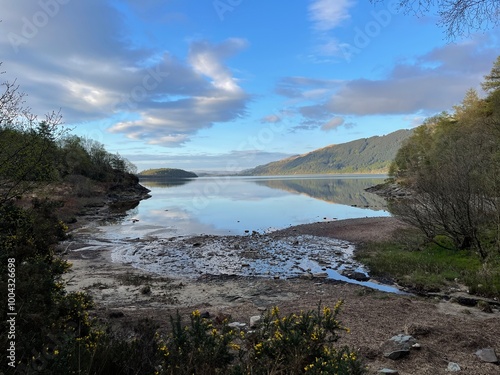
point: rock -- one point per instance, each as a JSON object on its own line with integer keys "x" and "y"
{"x": 205, "y": 315}
{"x": 358, "y": 276}
{"x": 254, "y": 321}
{"x": 387, "y": 371}
{"x": 398, "y": 346}
{"x": 197, "y": 244}
{"x": 484, "y": 307}
{"x": 116, "y": 314}
{"x": 453, "y": 367}
{"x": 146, "y": 289}
{"x": 487, "y": 355}
{"x": 237, "y": 325}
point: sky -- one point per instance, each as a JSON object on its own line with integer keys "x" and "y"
{"x": 231, "y": 84}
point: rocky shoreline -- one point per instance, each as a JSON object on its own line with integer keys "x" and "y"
{"x": 446, "y": 331}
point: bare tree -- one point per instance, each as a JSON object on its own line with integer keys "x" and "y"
{"x": 24, "y": 144}
{"x": 457, "y": 17}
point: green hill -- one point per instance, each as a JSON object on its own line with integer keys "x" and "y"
{"x": 367, "y": 155}
{"x": 167, "y": 173}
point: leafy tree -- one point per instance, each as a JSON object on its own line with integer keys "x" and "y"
{"x": 452, "y": 165}
{"x": 27, "y": 146}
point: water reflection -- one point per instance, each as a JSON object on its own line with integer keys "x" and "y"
{"x": 346, "y": 191}
{"x": 164, "y": 182}
{"x": 233, "y": 205}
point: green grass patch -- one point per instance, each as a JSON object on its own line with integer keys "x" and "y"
{"x": 430, "y": 267}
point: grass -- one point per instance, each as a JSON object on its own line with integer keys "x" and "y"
{"x": 429, "y": 267}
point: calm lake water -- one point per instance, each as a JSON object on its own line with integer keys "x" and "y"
{"x": 233, "y": 205}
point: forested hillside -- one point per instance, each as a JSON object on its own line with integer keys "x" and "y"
{"x": 166, "y": 173}
{"x": 367, "y": 155}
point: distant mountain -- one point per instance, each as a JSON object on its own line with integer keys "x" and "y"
{"x": 167, "y": 173}
{"x": 367, "y": 155}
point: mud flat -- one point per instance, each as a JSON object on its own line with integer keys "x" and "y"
{"x": 159, "y": 280}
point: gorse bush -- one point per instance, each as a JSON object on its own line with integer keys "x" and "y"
{"x": 294, "y": 344}
{"x": 291, "y": 344}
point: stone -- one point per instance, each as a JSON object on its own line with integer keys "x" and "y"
{"x": 254, "y": 321}
{"x": 116, "y": 314}
{"x": 237, "y": 325}
{"x": 358, "y": 276}
{"x": 453, "y": 367}
{"x": 387, "y": 371}
{"x": 398, "y": 346}
{"x": 484, "y": 307}
{"x": 487, "y": 355}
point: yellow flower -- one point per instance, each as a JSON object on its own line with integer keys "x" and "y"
{"x": 164, "y": 350}
{"x": 275, "y": 311}
{"x": 326, "y": 311}
{"x": 234, "y": 346}
{"x": 258, "y": 348}
{"x": 278, "y": 335}
{"x": 195, "y": 313}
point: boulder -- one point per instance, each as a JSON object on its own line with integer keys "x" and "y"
{"x": 398, "y": 346}
{"x": 254, "y": 321}
{"x": 355, "y": 275}
{"x": 453, "y": 367}
{"x": 487, "y": 355}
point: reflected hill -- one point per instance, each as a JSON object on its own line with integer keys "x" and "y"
{"x": 346, "y": 191}
{"x": 163, "y": 181}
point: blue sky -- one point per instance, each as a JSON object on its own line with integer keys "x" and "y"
{"x": 230, "y": 84}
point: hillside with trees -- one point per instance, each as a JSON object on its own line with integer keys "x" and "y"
{"x": 451, "y": 166}
{"x": 367, "y": 155}
{"x": 167, "y": 173}
{"x": 47, "y": 178}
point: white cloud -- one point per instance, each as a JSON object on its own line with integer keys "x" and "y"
{"x": 94, "y": 71}
{"x": 328, "y": 14}
{"x": 430, "y": 83}
{"x": 271, "y": 119}
{"x": 334, "y": 123}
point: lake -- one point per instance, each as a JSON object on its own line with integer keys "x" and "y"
{"x": 189, "y": 228}
{"x": 233, "y": 205}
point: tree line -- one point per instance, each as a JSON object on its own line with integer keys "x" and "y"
{"x": 451, "y": 164}
{"x": 33, "y": 151}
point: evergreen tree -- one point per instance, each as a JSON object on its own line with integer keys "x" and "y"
{"x": 492, "y": 81}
